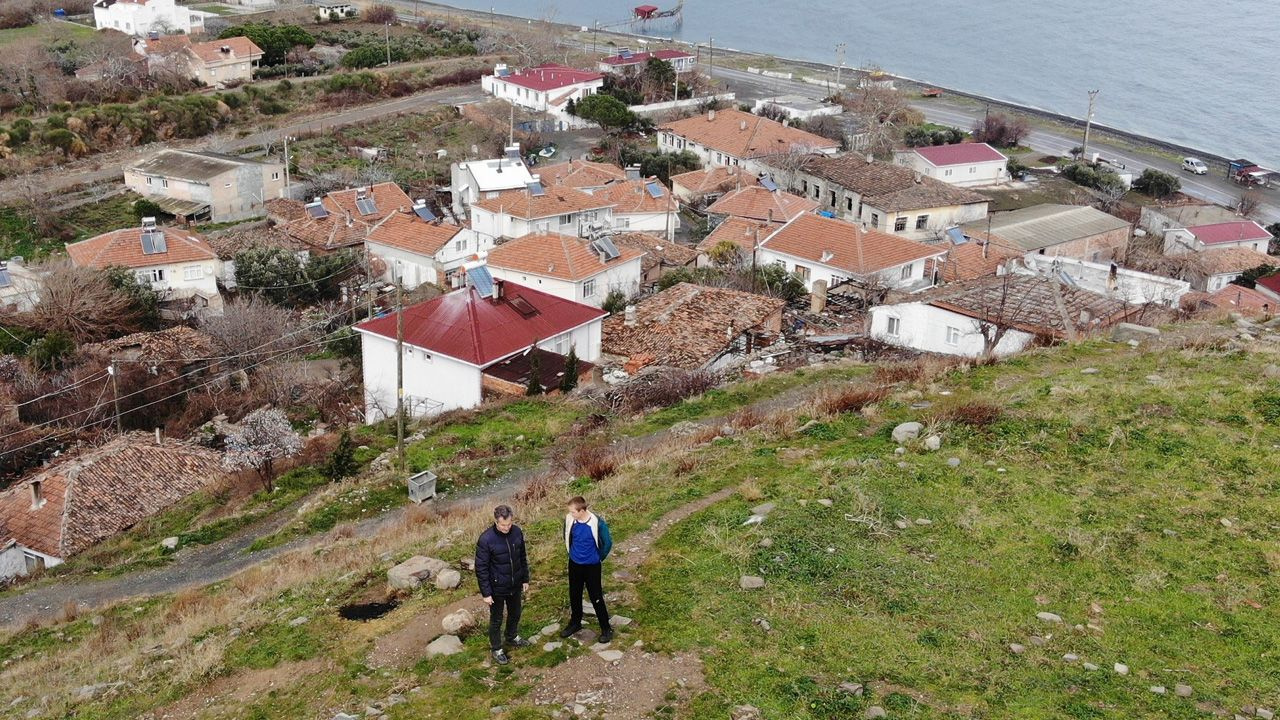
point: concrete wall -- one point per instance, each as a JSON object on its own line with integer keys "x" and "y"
{"x": 848, "y": 205}
{"x": 971, "y": 175}
{"x": 239, "y": 194}
{"x": 427, "y": 376}
{"x": 659, "y": 224}
{"x": 590, "y": 291}
{"x": 413, "y": 269}
{"x": 1102, "y": 247}
{"x": 931, "y": 329}
{"x": 1180, "y": 240}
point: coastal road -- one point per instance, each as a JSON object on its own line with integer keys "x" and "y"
{"x": 1213, "y": 187}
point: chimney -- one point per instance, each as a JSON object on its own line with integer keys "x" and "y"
{"x": 37, "y": 497}
{"x": 159, "y": 439}
{"x": 497, "y": 289}
{"x": 770, "y": 216}
{"x": 870, "y": 158}
{"x": 742, "y": 126}
{"x": 315, "y": 199}
{"x": 711, "y": 116}
{"x": 818, "y": 297}
{"x": 633, "y": 172}
{"x": 225, "y": 49}
{"x": 629, "y": 316}
{"x": 420, "y": 203}
{"x": 917, "y": 178}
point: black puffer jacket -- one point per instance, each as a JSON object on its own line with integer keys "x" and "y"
{"x": 501, "y": 564}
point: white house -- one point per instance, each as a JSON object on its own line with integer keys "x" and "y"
{"x": 1218, "y": 267}
{"x": 178, "y": 264}
{"x": 331, "y": 9}
{"x": 540, "y": 209}
{"x": 476, "y": 179}
{"x": 570, "y": 268}
{"x": 965, "y": 164}
{"x": 415, "y": 247}
{"x": 734, "y": 137}
{"x": 1109, "y": 279}
{"x": 452, "y": 341}
{"x": 1245, "y": 234}
{"x": 140, "y": 17}
{"x": 545, "y": 88}
{"x": 644, "y": 205}
{"x": 19, "y": 286}
{"x": 820, "y": 248}
{"x": 797, "y": 107}
{"x": 1002, "y": 315}
{"x": 626, "y": 61}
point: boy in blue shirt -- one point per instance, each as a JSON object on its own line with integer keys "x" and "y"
{"x": 587, "y": 540}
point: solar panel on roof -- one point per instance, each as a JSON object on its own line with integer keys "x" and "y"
{"x": 957, "y": 236}
{"x": 536, "y": 189}
{"x": 366, "y": 206}
{"x": 481, "y": 280}
{"x": 316, "y": 210}
{"x": 767, "y": 183}
{"x": 424, "y": 213}
{"x": 605, "y": 247}
{"x": 5, "y": 279}
{"x": 153, "y": 242}
{"x": 655, "y": 190}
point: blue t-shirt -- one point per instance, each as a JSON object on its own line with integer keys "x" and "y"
{"x": 582, "y": 545}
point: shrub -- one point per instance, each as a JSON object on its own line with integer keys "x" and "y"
{"x": 851, "y": 398}
{"x": 569, "y": 380}
{"x": 978, "y": 414}
{"x": 660, "y": 388}
{"x": 382, "y": 15}
{"x": 51, "y": 351}
{"x": 1157, "y": 184}
{"x": 614, "y": 302}
{"x": 596, "y": 462}
{"x": 342, "y": 462}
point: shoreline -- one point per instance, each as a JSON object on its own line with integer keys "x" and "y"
{"x": 1100, "y": 131}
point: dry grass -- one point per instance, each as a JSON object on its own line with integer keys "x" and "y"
{"x": 851, "y": 398}
{"x": 750, "y": 491}
{"x": 976, "y": 414}
{"x": 746, "y": 418}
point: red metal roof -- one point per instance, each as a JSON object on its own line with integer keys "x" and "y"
{"x": 962, "y": 154}
{"x": 550, "y": 76}
{"x": 1270, "y": 282}
{"x": 477, "y": 330}
{"x": 1229, "y": 232}
{"x": 638, "y": 58}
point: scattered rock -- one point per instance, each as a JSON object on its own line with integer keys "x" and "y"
{"x": 1049, "y": 617}
{"x": 1182, "y": 691}
{"x": 904, "y": 465}
{"x": 411, "y": 573}
{"x": 552, "y": 646}
{"x": 763, "y": 508}
{"x": 1090, "y": 667}
{"x": 1158, "y": 689}
{"x": 990, "y": 463}
{"x": 468, "y": 564}
{"x": 1265, "y": 714}
{"x": 1121, "y": 669}
{"x": 901, "y": 524}
{"x": 953, "y": 462}
{"x": 1225, "y": 523}
{"x": 619, "y": 621}
{"x": 1169, "y": 533}
{"x": 751, "y": 582}
{"x": 610, "y": 655}
{"x": 1271, "y": 371}
{"x": 345, "y": 716}
{"x": 907, "y": 431}
{"x": 824, "y": 502}
{"x": 899, "y": 451}
{"x": 170, "y": 542}
{"x": 851, "y": 688}
{"x": 745, "y": 712}
{"x": 1155, "y": 379}
{"x": 497, "y": 709}
{"x": 1089, "y": 371}
{"x": 1017, "y": 649}
{"x": 932, "y": 443}
{"x": 301, "y": 620}
{"x": 1128, "y": 332}
{"x": 458, "y": 622}
{"x": 753, "y": 520}
{"x": 875, "y": 711}
{"x": 923, "y": 521}
{"x": 89, "y": 692}
{"x": 766, "y": 542}
{"x": 1070, "y": 657}
{"x": 550, "y": 629}
{"x": 448, "y": 579}
{"x": 444, "y": 645}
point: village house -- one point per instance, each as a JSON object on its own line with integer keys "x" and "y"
{"x": 1128, "y": 286}
{"x": 795, "y": 107}
{"x": 1269, "y": 287}
{"x": 627, "y": 62}
{"x": 1239, "y": 233}
{"x": 764, "y": 204}
{"x": 335, "y": 10}
{"x": 708, "y": 184}
{"x": 206, "y": 185}
{"x": 584, "y": 175}
{"x": 86, "y": 498}
{"x": 568, "y": 267}
{"x": 741, "y": 235}
{"x": 884, "y": 196}
{"x": 1057, "y": 230}
{"x": 215, "y": 62}
{"x": 816, "y": 248}
{"x": 660, "y": 257}
{"x": 740, "y": 139}
{"x": 540, "y": 209}
{"x": 1218, "y": 267}
{"x": 963, "y": 165}
{"x": 546, "y": 88}
{"x": 693, "y": 327}
{"x": 455, "y": 345}
{"x": 971, "y": 258}
{"x": 177, "y": 263}
{"x": 19, "y": 286}
{"x": 997, "y": 315}
{"x": 1157, "y": 219}
{"x": 346, "y": 218}
{"x": 416, "y": 247}
{"x": 1252, "y": 302}
{"x": 476, "y": 179}
{"x": 642, "y": 205}
{"x": 142, "y": 17}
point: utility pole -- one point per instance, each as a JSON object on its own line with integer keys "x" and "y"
{"x": 1088, "y": 124}
{"x": 115, "y": 397}
{"x": 840, "y": 47}
{"x": 399, "y": 369}
{"x": 511, "y": 128}
{"x": 388, "y": 44}
{"x": 286, "y": 162}
{"x": 711, "y": 55}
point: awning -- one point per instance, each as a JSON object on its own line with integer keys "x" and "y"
{"x": 185, "y": 208}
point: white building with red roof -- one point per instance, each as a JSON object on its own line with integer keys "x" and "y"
{"x": 964, "y": 165}
{"x": 1245, "y": 234}
{"x": 415, "y": 246}
{"x": 544, "y": 88}
{"x": 568, "y": 267}
{"x": 626, "y": 61}
{"x": 178, "y": 264}
{"x": 814, "y": 248}
{"x": 460, "y": 344}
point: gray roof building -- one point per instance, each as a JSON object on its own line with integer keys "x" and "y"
{"x": 1042, "y": 226}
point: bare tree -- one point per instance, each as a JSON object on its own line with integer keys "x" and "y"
{"x": 884, "y": 112}
{"x": 83, "y": 304}
{"x": 1249, "y": 202}
{"x": 265, "y": 436}
{"x": 251, "y": 328}
{"x": 539, "y": 41}
{"x": 1110, "y": 195}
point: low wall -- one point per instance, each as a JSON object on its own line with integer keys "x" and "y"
{"x": 677, "y": 104}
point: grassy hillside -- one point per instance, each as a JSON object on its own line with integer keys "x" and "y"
{"x": 1137, "y": 501}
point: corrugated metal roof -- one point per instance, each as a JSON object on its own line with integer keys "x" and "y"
{"x": 1041, "y": 226}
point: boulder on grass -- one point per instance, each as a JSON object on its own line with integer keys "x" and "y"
{"x": 411, "y": 573}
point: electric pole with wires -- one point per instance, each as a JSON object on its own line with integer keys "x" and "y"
{"x": 399, "y": 369}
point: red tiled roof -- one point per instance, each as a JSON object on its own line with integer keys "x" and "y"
{"x": 407, "y": 231}
{"x": 480, "y": 331}
{"x": 744, "y": 233}
{"x": 1234, "y": 259}
{"x": 887, "y": 186}
{"x": 658, "y": 252}
{"x": 580, "y": 174}
{"x": 1243, "y": 299}
{"x": 99, "y": 493}
{"x": 632, "y": 196}
{"x": 1030, "y": 303}
{"x": 1229, "y": 232}
{"x": 124, "y": 248}
{"x": 961, "y": 154}
{"x": 553, "y": 202}
{"x": 966, "y": 261}
{"x": 334, "y": 231}
{"x": 643, "y": 57}
{"x": 846, "y": 246}
{"x": 757, "y": 203}
{"x": 714, "y": 179}
{"x": 744, "y": 135}
{"x": 551, "y": 76}
{"x": 554, "y": 255}
{"x": 239, "y": 48}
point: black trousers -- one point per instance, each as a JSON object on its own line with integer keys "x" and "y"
{"x": 510, "y": 603}
{"x": 587, "y": 576}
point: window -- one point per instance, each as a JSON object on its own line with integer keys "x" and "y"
{"x": 833, "y": 198}
{"x": 848, "y": 204}
{"x": 804, "y": 186}
{"x": 802, "y": 272}
{"x": 566, "y": 219}
{"x": 275, "y": 176}
{"x": 907, "y": 270}
{"x": 148, "y": 181}
{"x": 164, "y": 183}
{"x": 972, "y": 169}
{"x": 817, "y": 191}
{"x": 900, "y": 224}
{"x": 953, "y": 335}
{"x": 460, "y": 245}
{"x": 192, "y": 272}
{"x": 893, "y": 326}
{"x": 589, "y": 288}
{"x": 154, "y": 275}
{"x": 922, "y": 222}
{"x": 875, "y": 220}
{"x": 947, "y": 173}
{"x": 561, "y": 345}
{"x": 622, "y": 222}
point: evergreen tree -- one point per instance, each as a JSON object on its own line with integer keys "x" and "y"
{"x": 570, "y": 379}
{"x": 535, "y": 375}
{"x": 342, "y": 461}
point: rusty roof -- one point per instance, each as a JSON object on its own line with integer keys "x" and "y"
{"x": 715, "y": 179}
{"x": 1027, "y": 302}
{"x": 633, "y": 197}
{"x": 1234, "y": 259}
{"x": 967, "y": 261}
{"x": 556, "y": 256}
{"x": 179, "y": 343}
{"x": 580, "y": 174}
{"x": 744, "y": 135}
{"x": 686, "y": 325}
{"x": 744, "y": 233}
{"x": 846, "y": 246}
{"x": 887, "y": 186}
{"x": 757, "y": 203}
{"x": 124, "y": 248}
{"x": 658, "y": 252}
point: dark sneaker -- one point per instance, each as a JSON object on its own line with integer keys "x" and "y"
{"x": 518, "y": 641}
{"x": 570, "y": 630}
{"x": 606, "y": 636}
{"x": 501, "y": 657}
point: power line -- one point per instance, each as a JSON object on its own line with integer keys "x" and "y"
{"x": 310, "y": 281}
{"x": 60, "y": 391}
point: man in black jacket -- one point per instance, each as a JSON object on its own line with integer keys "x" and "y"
{"x": 502, "y": 569}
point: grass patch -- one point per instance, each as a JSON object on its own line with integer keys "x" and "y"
{"x": 18, "y": 235}
{"x": 45, "y": 31}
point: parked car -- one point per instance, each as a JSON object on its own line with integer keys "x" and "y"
{"x": 548, "y": 151}
{"x": 1194, "y": 165}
